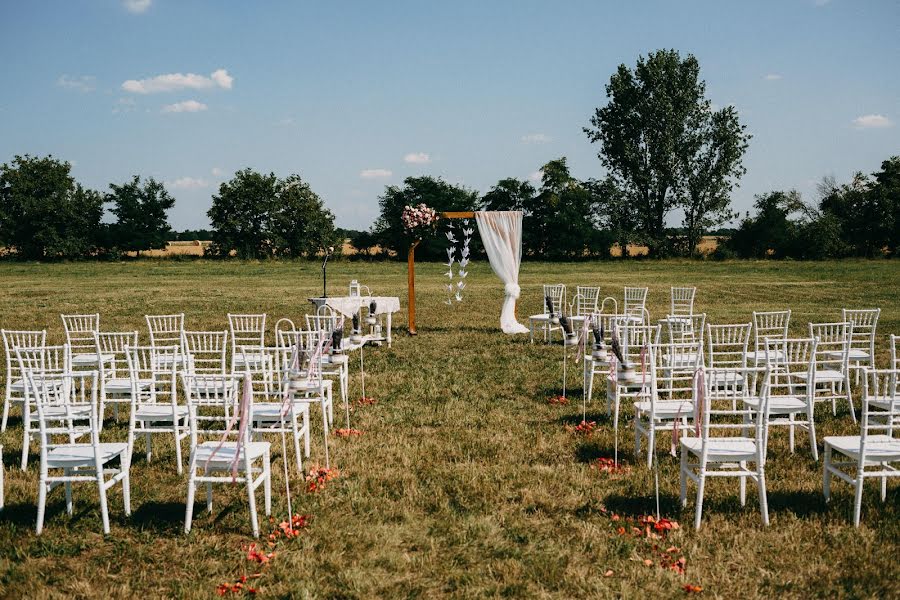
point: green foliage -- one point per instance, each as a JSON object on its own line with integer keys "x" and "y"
{"x": 261, "y": 216}
{"x": 364, "y": 242}
{"x": 771, "y": 232}
{"x": 140, "y": 210}
{"x": 664, "y": 147}
{"x": 44, "y": 213}
{"x": 435, "y": 193}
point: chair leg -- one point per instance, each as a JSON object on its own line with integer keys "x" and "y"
{"x": 826, "y": 476}
{"x": 104, "y": 510}
{"x": 651, "y": 444}
{"x": 814, "y": 448}
{"x": 177, "y": 449}
{"x": 267, "y": 485}
{"x": 791, "y": 432}
{"x": 69, "y": 505}
{"x": 683, "y": 474}
{"x": 209, "y": 497}
{"x": 5, "y": 415}
{"x": 306, "y": 441}
{"x": 850, "y": 398}
{"x": 325, "y": 429}
{"x": 189, "y": 506}
{"x": 763, "y": 498}
{"x": 701, "y": 483}
{"x": 42, "y": 504}
{"x": 251, "y": 497}
{"x": 857, "y": 499}
{"x": 743, "y": 484}
{"x": 26, "y": 442}
{"x": 297, "y": 453}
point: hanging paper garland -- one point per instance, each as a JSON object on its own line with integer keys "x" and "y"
{"x": 455, "y": 290}
{"x": 451, "y": 257}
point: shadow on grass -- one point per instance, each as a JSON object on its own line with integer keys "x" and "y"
{"x": 601, "y": 418}
{"x": 164, "y": 517}
{"x": 590, "y": 450}
{"x": 669, "y": 505}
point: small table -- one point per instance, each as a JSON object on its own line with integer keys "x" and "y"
{"x": 351, "y": 305}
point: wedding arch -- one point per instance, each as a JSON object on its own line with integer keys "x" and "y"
{"x": 501, "y": 235}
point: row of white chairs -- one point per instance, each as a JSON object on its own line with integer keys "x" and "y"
{"x": 224, "y": 417}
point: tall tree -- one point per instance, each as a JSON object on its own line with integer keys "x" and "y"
{"x": 771, "y": 232}
{"x": 561, "y": 221}
{"x": 434, "y": 192}
{"x": 140, "y": 210}
{"x": 44, "y": 212}
{"x": 509, "y": 194}
{"x": 301, "y": 225}
{"x": 709, "y": 168}
{"x": 260, "y": 216}
{"x": 241, "y": 215}
{"x": 662, "y": 146}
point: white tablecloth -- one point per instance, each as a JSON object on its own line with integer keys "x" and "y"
{"x": 350, "y": 305}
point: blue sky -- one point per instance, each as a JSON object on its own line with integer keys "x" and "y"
{"x": 357, "y": 95}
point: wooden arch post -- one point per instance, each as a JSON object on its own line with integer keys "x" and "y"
{"x": 411, "y": 267}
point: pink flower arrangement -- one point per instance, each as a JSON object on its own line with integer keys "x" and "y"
{"x": 419, "y": 220}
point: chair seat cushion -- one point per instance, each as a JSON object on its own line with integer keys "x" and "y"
{"x": 122, "y": 385}
{"x": 271, "y": 411}
{"x": 222, "y": 457}
{"x": 885, "y": 402}
{"x": 779, "y": 405}
{"x": 668, "y": 409}
{"x": 726, "y": 449}
{"x": 73, "y": 455}
{"x": 159, "y": 412}
{"x": 879, "y": 448}
{"x": 682, "y": 359}
{"x": 823, "y": 375}
{"x": 90, "y": 358}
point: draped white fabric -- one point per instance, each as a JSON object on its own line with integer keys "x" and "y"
{"x": 501, "y": 234}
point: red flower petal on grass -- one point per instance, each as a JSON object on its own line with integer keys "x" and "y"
{"x": 557, "y": 400}
{"x": 692, "y": 589}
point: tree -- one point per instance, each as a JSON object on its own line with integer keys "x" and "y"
{"x": 434, "y": 192}
{"x": 44, "y": 212}
{"x": 663, "y": 147}
{"x": 140, "y": 211}
{"x": 260, "y": 216}
{"x": 615, "y": 216}
{"x": 561, "y": 221}
{"x": 771, "y": 232}
{"x": 509, "y": 194}
{"x": 708, "y": 170}
{"x": 301, "y": 225}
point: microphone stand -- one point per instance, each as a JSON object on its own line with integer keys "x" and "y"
{"x": 324, "y": 280}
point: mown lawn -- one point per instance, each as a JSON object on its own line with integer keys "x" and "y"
{"x": 465, "y": 482}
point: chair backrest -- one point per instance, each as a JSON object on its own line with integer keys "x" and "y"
{"x": 770, "y": 324}
{"x": 895, "y": 351}
{"x": 557, "y": 294}
{"x": 720, "y": 416}
{"x": 832, "y": 351}
{"x": 114, "y": 344}
{"x": 633, "y": 338}
{"x": 356, "y": 289}
{"x": 585, "y": 300}
{"x": 153, "y": 373}
{"x": 726, "y": 345}
{"x": 685, "y": 328}
{"x": 791, "y": 363}
{"x": 43, "y": 360}
{"x": 63, "y": 404}
{"x": 18, "y": 339}
{"x": 682, "y": 300}
{"x": 247, "y": 330}
{"x": 674, "y": 366}
{"x": 863, "y": 325}
{"x": 212, "y": 400}
{"x": 635, "y": 301}
{"x": 165, "y": 330}
{"x": 322, "y": 321}
{"x": 205, "y": 351}
{"x": 880, "y": 405}
{"x": 264, "y": 369}
{"x": 80, "y": 330}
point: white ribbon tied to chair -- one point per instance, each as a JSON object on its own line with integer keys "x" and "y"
{"x": 501, "y": 234}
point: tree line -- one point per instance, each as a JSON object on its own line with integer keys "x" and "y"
{"x": 663, "y": 146}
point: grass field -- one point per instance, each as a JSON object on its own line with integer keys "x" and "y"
{"x": 465, "y": 482}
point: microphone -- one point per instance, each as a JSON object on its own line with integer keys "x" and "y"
{"x": 328, "y": 252}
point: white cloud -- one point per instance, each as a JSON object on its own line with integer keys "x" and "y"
{"x": 417, "y": 158}
{"x": 136, "y": 6}
{"x": 172, "y": 82}
{"x": 217, "y": 172}
{"x": 187, "y": 183}
{"x": 82, "y": 83}
{"x": 536, "y": 176}
{"x": 536, "y": 138}
{"x": 375, "y": 173}
{"x": 124, "y": 105}
{"x": 189, "y": 106}
{"x": 872, "y": 122}
{"x": 772, "y": 77}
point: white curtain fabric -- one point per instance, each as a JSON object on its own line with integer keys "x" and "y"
{"x": 501, "y": 233}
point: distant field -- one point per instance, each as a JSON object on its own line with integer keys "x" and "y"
{"x": 707, "y": 245}
{"x": 465, "y": 482}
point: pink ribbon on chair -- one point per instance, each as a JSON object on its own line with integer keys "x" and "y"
{"x": 701, "y": 397}
{"x": 242, "y": 417}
